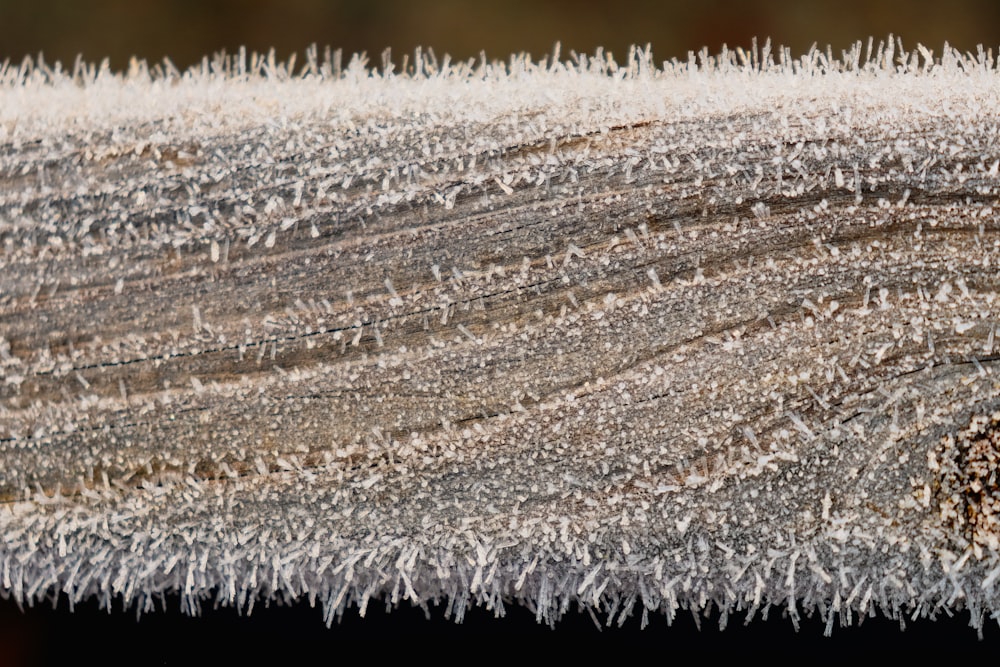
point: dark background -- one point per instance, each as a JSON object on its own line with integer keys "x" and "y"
{"x": 185, "y": 30}
{"x": 282, "y": 636}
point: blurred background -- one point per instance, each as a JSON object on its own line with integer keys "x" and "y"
{"x": 186, "y": 30}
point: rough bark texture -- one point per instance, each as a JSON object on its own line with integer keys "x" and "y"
{"x": 628, "y": 339}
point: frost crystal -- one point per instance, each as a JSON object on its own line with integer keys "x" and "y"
{"x": 564, "y": 334}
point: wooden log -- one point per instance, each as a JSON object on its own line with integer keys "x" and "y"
{"x": 630, "y": 338}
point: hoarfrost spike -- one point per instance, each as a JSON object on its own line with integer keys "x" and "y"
{"x": 714, "y": 333}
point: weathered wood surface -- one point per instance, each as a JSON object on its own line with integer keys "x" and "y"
{"x": 566, "y": 336}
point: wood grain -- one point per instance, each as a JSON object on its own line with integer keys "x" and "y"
{"x": 638, "y": 343}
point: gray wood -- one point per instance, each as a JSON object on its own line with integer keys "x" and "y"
{"x": 633, "y": 339}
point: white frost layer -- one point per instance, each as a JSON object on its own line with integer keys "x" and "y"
{"x": 544, "y": 98}
{"x": 265, "y": 537}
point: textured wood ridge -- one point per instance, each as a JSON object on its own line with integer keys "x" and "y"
{"x": 589, "y": 337}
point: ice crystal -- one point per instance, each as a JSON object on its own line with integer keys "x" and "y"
{"x": 617, "y": 336}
